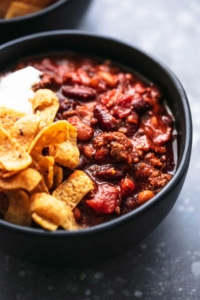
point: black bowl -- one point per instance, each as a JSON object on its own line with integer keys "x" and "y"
{"x": 63, "y": 14}
{"x": 102, "y": 241}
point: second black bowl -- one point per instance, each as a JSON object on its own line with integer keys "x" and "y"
{"x": 63, "y": 14}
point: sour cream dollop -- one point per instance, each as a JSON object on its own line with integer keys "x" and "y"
{"x": 16, "y": 89}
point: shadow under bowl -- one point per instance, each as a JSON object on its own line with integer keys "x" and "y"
{"x": 95, "y": 244}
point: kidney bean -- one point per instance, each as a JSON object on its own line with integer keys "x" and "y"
{"x": 79, "y": 92}
{"x": 84, "y": 131}
{"x": 63, "y": 105}
{"x": 144, "y": 196}
{"x": 110, "y": 79}
{"x": 131, "y": 129}
{"x": 140, "y": 105}
{"x": 104, "y": 118}
{"x": 127, "y": 187}
{"x": 77, "y": 213}
{"x": 85, "y": 79}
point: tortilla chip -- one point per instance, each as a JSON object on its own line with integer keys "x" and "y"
{"x": 25, "y": 129}
{"x": 45, "y": 104}
{"x": 7, "y": 174}
{"x": 67, "y": 154}
{"x": 12, "y": 156}
{"x": 57, "y": 177}
{"x": 54, "y": 133}
{"x": 72, "y": 190}
{"x": 4, "y": 4}
{"x": 39, "y": 3}
{"x": 19, "y": 208}
{"x": 46, "y": 164}
{"x": 44, "y": 222}
{"x": 18, "y": 9}
{"x": 44, "y": 98}
{"x": 8, "y": 117}
{"x": 26, "y": 179}
{"x": 40, "y": 188}
{"x": 68, "y": 221}
{"x": 50, "y": 213}
{"x": 1, "y": 169}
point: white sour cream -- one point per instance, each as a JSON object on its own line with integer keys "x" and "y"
{"x": 16, "y": 89}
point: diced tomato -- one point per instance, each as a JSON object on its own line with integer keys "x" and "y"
{"x": 105, "y": 200}
{"x": 127, "y": 187}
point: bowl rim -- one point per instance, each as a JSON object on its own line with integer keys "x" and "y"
{"x": 35, "y": 14}
{"x": 177, "y": 177}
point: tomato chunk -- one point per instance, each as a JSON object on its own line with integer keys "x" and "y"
{"x": 127, "y": 187}
{"x": 105, "y": 200}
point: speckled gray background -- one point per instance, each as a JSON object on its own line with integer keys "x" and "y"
{"x": 166, "y": 266}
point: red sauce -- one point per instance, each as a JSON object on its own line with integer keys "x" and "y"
{"x": 124, "y": 132}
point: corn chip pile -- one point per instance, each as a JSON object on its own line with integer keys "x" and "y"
{"x": 31, "y": 183}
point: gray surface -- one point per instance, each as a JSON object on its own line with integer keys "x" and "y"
{"x": 167, "y": 264}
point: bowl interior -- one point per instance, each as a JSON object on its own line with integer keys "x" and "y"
{"x": 128, "y": 56}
